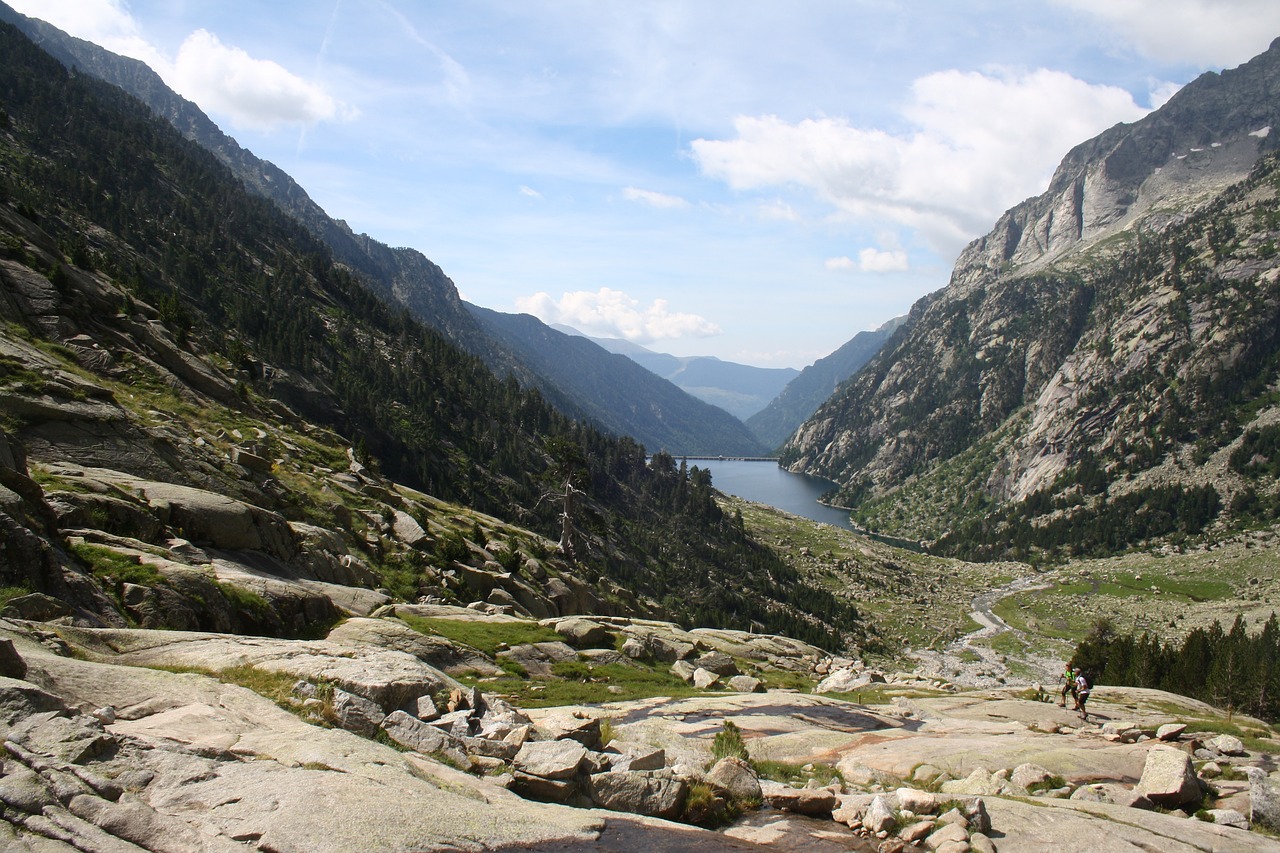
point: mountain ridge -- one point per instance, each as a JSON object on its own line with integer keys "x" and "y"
{"x": 1077, "y": 341}
{"x": 742, "y": 390}
{"x": 402, "y": 276}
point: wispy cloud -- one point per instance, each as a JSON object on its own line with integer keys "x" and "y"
{"x": 653, "y": 199}
{"x": 613, "y": 314}
{"x": 979, "y": 143}
{"x": 1203, "y": 32}
{"x": 530, "y": 192}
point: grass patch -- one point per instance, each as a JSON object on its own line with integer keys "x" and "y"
{"x": 245, "y": 600}
{"x": 796, "y": 774}
{"x": 10, "y": 592}
{"x": 589, "y": 688}
{"x": 112, "y": 567}
{"x": 884, "y": 694}
{"x": 487, "y": 637}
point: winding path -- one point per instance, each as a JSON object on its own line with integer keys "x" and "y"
{"x": 965, "y": 662}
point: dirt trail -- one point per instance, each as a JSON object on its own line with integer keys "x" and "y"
{"x": 975, "y": 664}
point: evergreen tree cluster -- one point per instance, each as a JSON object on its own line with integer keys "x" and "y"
{"x": 1233, "y": 669}
{"x": 120, "y": 191}
{"x": 1054, "y": 525}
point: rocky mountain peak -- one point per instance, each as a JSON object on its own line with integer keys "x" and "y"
{"x": 1141, "y": 174}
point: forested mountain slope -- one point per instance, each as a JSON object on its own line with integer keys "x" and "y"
{"x": 775, "y": 423}
{"x": 1101, "y": 369}
{"x": 652, "y": 413}
{"x": 186, "y": 344}
{"x": 604, "y": 385}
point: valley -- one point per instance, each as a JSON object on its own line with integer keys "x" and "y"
{"x": 299, "y": 552}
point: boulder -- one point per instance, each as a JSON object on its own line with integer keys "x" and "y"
{"x": 412, "y": 733}
{"x": 736, "y": 778}
{"x": 1110, "y": 792}
{"x": 1168, "y": 779}
{"x": 634, "y": 648}
{"x": 719, "y": 663}
{"x": 947, "y": 834}
{"x": 1228, "y": 817}
{"x": 1264, "y": 800}
{"x": 702, "y": 678}
{"x": 1227, "y": 745}
{"x": 356, "y": 713}
{"x": 848, "y": 680}
{"x": 917, "y": 832}
{"x": 917, "y": 802}
{"x": 584, "y": 634}
{"x": 1029, "y": 775}
{"x": 683, "y": 670}
{"x": 36, "y": 607}
{"x": 652, "y": 793}
{"x": 11, "y": 663}
{"x": 814, "y": 802}
{"x": 879, "y": 817}
{"x": 667, "y": 649}
{"x": 407, "y": 529}
{"x": 584, "y": 730}
{"x": 556, "y": 760}
{"x": 1171, "y": 731}
{"x": 746, "y": 684}
{"x": 654, "y": 759}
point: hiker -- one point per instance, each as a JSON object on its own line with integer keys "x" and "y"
{"x": 1068, "y": 685}
{"x": 1084, "y": 685}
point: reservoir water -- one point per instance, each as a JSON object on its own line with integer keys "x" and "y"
{"x": 766, "y": 483}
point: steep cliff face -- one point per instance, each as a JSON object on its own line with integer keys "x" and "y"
{"x": 1152, "y": 171}
{"x": 1124, "y": 321}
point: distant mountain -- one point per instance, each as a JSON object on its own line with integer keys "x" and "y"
{"x": 739, "y": 389}
{"x": 801, "y": 397}
{"x": 619, "y": 394}
{"x": 651, "y": 413}
{"x": 1101, "y": 369}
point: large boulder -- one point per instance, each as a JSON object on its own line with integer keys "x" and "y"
{"x": 814, "y": 802}
{"x": 1264, "y": 799}
{"x": 1168, "y": 778}
{"x": 736, "y": 778}
{"x": 848, "y": 680}
{"x": 719, "y": 663}
{"x": 550, "y": 759}
{"x": 584, "y": 634}
{"x": 653, "y": 793}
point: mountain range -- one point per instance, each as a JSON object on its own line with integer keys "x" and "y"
{"x": 1101, "y": 368}
{"x": 580, "y": 384}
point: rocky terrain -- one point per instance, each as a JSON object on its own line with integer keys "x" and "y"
{"x": 129, "y": 739}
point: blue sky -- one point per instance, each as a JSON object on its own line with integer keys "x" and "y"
{"x": 755, "y": 181}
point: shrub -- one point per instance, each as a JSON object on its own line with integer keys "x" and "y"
{"x": 728, "y": 743}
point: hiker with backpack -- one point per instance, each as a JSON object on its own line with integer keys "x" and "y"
{"x": 1083, "y": 687}
{"x": 1068, "y": 685}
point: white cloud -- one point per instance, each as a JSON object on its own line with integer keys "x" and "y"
{"x": 653, "y": 199}
{"x": 614, "y": 314}
{"x": 875, "y": 260}
{"x": 530, "y": 192}
{"x": 254, "y": 92}
{"x": 103, "y": 22}
{"x": 872, "y": 260}
{"x": 982, "y": 142}
{"x": 1207, "y": 33}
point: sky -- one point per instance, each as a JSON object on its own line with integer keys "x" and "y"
{"x": 755, "y": 181}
